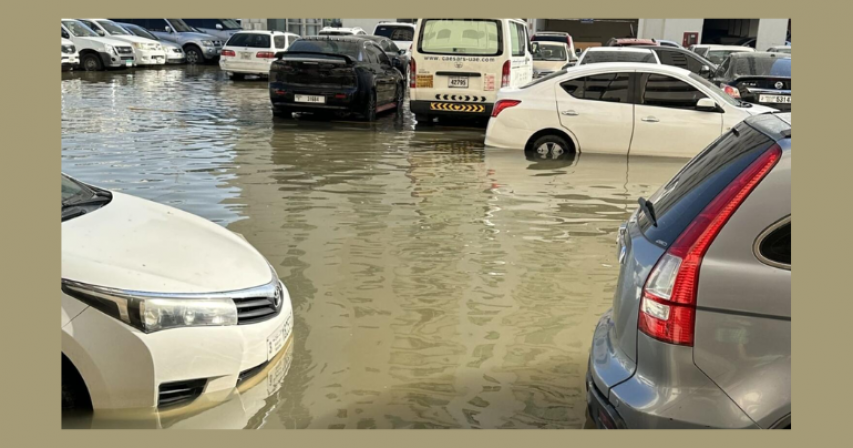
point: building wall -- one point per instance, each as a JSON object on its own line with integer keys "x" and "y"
{"x": 771, "y": 32}
{"x": 669, "y": 29}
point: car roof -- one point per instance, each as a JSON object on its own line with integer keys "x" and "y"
{"x": 622, "y": 49}
{"x": 730, "y": 47}
{"x": 346, "y": 38}
{"x": 264, "y": 32}
{"x": 776, "y": 125}
{"x": 559, "y": 33}
{"x": 760, "y": 55}
{"x": 396, "y": 24}
{"x": 642, "y": 66}
{"x": 551, "y": 42}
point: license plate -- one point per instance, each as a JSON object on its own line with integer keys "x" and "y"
{"x": 276, "y": 375}
{"x": 778, "y": 99}
{"x": 246, "y": 55}
{"x": 458, "y": 82}
{"x": 128, "y": 63}
{"x": 310, "y": 99}
{"x": 275, "y": 342}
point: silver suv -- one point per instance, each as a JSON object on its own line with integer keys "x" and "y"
{"x": 198, "y": 47}
{"x": 700, "y": 331}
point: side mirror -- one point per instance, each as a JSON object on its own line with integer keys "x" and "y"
{"x": 100, "y": 32}
{"x": 168, "y": 29}
{"x": 65, "y": 35}
{"x": 704, "y": 70}
{"x": 219, "y": 26}
{"x": 707, "y": 105}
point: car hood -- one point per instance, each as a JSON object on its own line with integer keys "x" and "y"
{"x": 134, "y": 39}
{"x": 102, "y": 40}
{"x": 189, "y": 35}
{"x": 138, "y": 245}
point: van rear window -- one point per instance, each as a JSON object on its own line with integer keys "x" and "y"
{"x": 463, "y": 37}
{"x": 678, "y": 202}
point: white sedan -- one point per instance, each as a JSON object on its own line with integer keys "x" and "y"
{"x": 160, "y": 309}
{"x": 615, "y": 108}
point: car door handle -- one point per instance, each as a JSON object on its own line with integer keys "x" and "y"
{"x": 570, "y": 113}
{"x": 650, "y": 120}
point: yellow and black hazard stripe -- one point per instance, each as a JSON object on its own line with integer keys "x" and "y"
{"x": 457, "y": 107}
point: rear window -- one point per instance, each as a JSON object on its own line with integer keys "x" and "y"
{"x": 550, "y": 53}
{"x": 348, "y": 48}
{"x": 593, "y": 57}
{"x": 678, "y": 202}
{"x": 780, "y": 66}
{"x": 398, "y": 33}
{"x": 251, "y": 40}
{"x": 550, "y": 38}
{"x": 464, "y": 37}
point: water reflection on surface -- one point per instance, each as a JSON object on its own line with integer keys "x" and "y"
{"x": 436, "y": 284}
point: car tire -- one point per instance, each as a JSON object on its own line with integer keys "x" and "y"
{"x": 194, "y": 55}
{"x": 75, "y": 396}
{"x": 552, "y": 147}
{"x": 369, "y": 112}
{"x": 401, "y": 96}
{"x": 91, "y": 62}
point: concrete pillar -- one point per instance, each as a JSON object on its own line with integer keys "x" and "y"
{"x": 771, "y": 32}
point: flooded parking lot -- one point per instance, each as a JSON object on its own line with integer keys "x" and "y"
{"x": 435, "y": 283}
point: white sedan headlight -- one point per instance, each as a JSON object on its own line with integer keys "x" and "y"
{"x": 151, "y": 312}
{"x": 139, "y": 46}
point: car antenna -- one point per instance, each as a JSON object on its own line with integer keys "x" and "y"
{"x": 649, "y": 209}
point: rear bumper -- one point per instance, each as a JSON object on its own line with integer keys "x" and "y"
{"x": 453, "y": 109}
{"x": 249, "y": 68}
{"x": 283, "y": 96}
{"x": 665, "y": 390}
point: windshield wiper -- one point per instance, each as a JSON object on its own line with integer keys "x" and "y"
{"x": 98, "y": 198}
{"x": 649, "y": 209}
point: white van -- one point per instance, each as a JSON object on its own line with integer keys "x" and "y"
{"x": 457, "y": 66}
{"x": 252, "y": 52}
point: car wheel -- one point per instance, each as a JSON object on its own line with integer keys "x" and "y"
{"x": 92, "y": 63}
{"x": 194, "y": 55}
{"x": 369, "y": 113}
{"x": 551, "y": 147}
{"x": 74, "y": 393}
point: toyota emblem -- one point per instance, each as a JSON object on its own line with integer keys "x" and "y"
{"x": 779, "y": 85}
{"x": 458, "y": 65}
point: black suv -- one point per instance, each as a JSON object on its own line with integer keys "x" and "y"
{"x": 337, "y": 75}
{"x": 685, "y": 59}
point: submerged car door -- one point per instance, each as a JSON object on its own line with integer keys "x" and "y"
{"x": 667, "y": 121}
{"x": 597, "y": 111}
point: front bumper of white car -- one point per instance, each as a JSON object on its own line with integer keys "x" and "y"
{"x": 125, "y": 368}
{"x": 150, "y": 56}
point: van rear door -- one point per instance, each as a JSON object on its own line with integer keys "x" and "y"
{"x": 521, "y": 68}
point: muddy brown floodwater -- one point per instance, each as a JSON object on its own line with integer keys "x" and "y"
{"x": 435, "y": 283}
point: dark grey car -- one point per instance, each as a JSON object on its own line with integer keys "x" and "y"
{"x": 700, "y": 331}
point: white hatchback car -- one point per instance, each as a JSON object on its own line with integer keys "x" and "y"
{"x": 146, "y": 51}
{"x": 615, "y": 108}
{"x": 252, "y": 52}
{"x": 160, "y": 308}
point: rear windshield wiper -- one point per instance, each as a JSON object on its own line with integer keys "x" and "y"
{"x": 649, "y": 209}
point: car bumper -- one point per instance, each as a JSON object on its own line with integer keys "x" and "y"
{"x": 283, "y": 96}
{"x": 170, "y": 59}
{"x": 451, "y": 109}
{"x": 124, "y": 368}
{"x": 150, "y": 57}
{"x": 665, "y": 391}
{"x": 249, "y": 68}
{"x": 69, "y": 62}
{"x": 113, "y": 61}
{"x": 211, "y": 53}
{"x": 502, "y": 135}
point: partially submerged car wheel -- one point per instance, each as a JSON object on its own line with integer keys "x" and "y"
{"x": 551, "y": 146}
{"x": 194, "y": 55}
{"x": 369, "y": 113}
{"x": 75, "y": 396}
{"x": 92, "y": 63}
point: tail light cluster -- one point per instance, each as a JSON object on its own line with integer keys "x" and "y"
{"x": 668, "y": 304}
{"x": 228, "y": 53}
{"x": 731, "y": 91}
{"x": 265, "y": 55}
{"x": 413, "y": 70}
{"x": 503, "y": 104}
{"x": 506, "y": 74}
